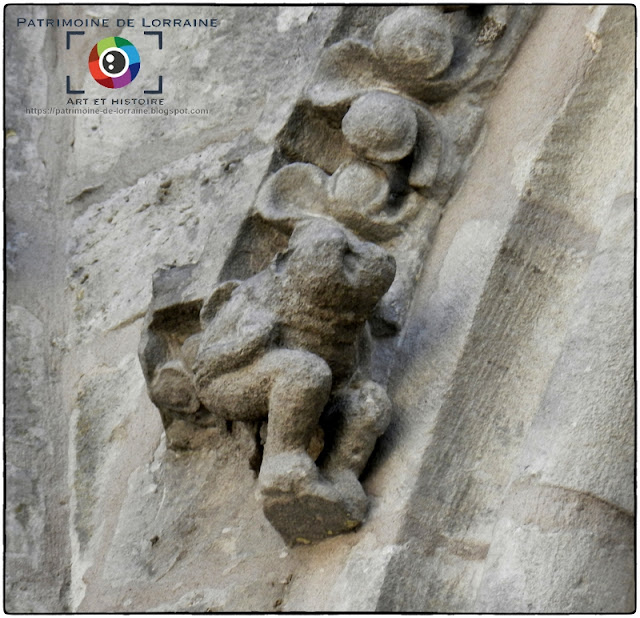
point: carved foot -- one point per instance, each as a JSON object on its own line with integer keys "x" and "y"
{"x": 303, "y": 506}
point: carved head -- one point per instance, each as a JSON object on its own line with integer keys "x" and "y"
{"x": 331, "y": 267}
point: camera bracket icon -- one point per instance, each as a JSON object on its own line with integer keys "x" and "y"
{"x": 114, "y": 62}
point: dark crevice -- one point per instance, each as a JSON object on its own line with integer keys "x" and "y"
{"x": 255, "y": 461}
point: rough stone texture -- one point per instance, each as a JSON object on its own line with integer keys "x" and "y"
{"x": 27, "y": 452}
{"x": 36, "y": 499}
{"x": 285, "y": 342}
{"x": 87, "y": 223}
{"x": 505, "y": 481}
{"x": 280, "y": 346}
{"x": 502, "y": 389}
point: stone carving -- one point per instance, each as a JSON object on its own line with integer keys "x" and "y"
{"x": 377, "y": 191}
{"x": 380, "y": 137}
{"x": 360, "y": 173}
{"x": 421, "y": 51}
{"x": 373, "y": 192}
{"x": 289, "y": 344}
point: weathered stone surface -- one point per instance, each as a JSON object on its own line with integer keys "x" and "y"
{"x": 244, "y": 72}
{"x": 415, "y": 41}
{"x": 503, "y": 375}
{"x": 457, "y": 551}
{"x": 36, "y": 498}
{"x": 235, "y": 368}
{"x": 100, "y": 423}
{"x": 173, "y": 527}
{"x": 285, "y": 346}
{"x": 63, "y": 168}
{"x": 505, "y": 480}
{"x": 572, "y": 502}
{"x": 28, "y": 447}
{"x": 171, "y": 217}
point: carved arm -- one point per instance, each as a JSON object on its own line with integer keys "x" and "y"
{"x": 229, "y": 343}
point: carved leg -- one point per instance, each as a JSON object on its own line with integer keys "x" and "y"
{"x": 300, "y": 504}
{"x": 361, "y": 416}
{"x": 299, "y": 392}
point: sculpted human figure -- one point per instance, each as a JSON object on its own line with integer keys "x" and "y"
{"x": 288, "y": 345}
{"x": 285, "y": 341}
{"x": 370, "y": 154}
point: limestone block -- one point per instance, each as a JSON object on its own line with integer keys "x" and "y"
{"x": 589, "y": 402}
{"x": 573, "y": 500}
{"x": 554, "y": 262}
{"x": 243, "y": 72}
{"x": 28, "y": 446}
{"x": 168, "y": 217}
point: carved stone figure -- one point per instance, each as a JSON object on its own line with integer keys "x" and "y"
{"x": 371, "y": 153}
{"x": 289, "y": 344}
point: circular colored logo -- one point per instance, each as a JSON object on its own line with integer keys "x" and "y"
{"x": 114, "y": 62}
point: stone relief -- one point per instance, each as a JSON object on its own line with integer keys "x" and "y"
{"x": 287, "y": 345}
{"x": 323, "y": 270}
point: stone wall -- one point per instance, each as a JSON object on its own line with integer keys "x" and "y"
{"x": 505, "y": 482}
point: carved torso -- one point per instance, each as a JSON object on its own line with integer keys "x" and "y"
{"x": 330, "y": 332}
{"x": 327, "y": 319}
